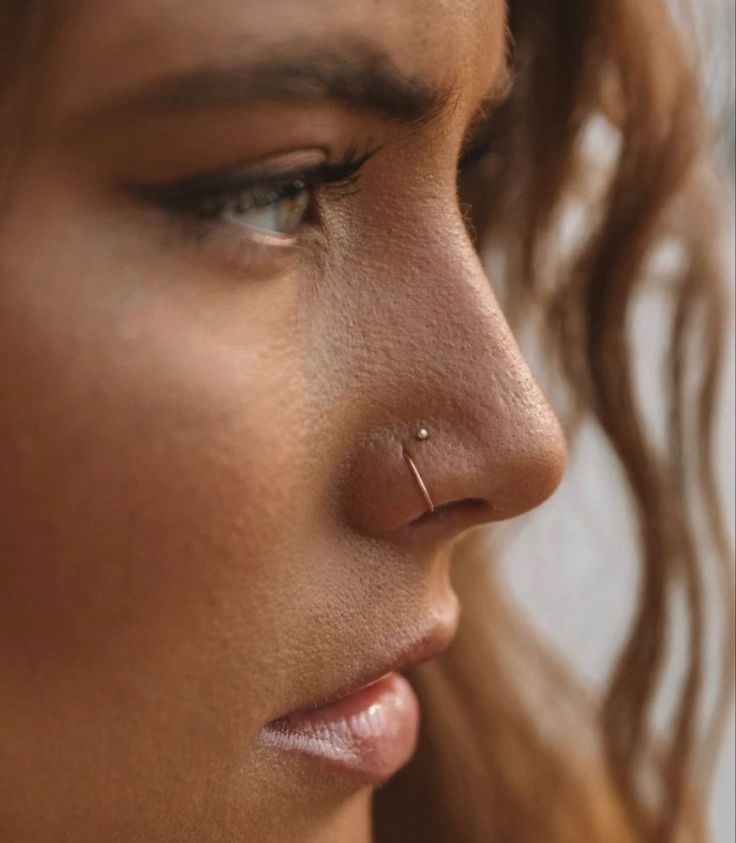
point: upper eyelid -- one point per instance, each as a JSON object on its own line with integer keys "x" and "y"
{"x": 203, "y": 185}
{"x": 233, "y": 179}
{"x": 277, "y": 168}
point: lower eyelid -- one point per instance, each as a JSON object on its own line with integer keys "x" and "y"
{"x": 262, "y": 253}
{"x": 241, "y": 250}
{"x": 248, "y": 253}
{"x": 226, "y": 248}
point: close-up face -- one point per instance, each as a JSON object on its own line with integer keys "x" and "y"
{"x": 255, "y": 385}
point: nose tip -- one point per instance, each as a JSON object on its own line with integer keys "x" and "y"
{"x": 527, "y": 477}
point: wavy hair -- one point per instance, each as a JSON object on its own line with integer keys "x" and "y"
{"x": 513, "y": 749}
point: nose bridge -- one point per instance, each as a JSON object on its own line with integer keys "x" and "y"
{"x": 445, "y": 360}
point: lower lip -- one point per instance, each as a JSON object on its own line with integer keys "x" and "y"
{"x": 372, "y": 732}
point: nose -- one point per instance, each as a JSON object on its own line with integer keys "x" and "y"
{"x": 454, "y": 422}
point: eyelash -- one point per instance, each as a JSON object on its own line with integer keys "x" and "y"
{"x": 203, "y": 200}
{"x": 207, "y": 196}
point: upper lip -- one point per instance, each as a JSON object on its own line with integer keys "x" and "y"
{"x": 425, "y": 647}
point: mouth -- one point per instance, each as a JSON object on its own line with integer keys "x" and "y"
{"x": 369, "y": 729}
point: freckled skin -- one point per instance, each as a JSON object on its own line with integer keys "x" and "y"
{"x": 204, "y": 513}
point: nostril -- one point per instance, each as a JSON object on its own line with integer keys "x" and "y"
{"x": 471, "y": 508}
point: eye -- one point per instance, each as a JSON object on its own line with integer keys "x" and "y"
{"x": 276, "y": 210}
{"x": 264, "y": 197}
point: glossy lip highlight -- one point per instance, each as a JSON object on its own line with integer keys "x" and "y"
{"x": 370, "y": 733}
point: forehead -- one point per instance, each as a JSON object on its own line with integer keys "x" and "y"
{"x": 106, "y": 47}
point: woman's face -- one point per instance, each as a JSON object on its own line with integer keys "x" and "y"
{"x": 234, "y": 282}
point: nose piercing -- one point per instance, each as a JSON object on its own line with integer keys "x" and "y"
{"x": 421, "y": 435}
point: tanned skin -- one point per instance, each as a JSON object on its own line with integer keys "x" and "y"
{"x": 205, "y": 518}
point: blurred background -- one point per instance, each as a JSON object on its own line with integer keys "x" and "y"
{"x": 573, "y": 565}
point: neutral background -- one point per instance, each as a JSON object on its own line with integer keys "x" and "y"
{"x": 573, "y": 565}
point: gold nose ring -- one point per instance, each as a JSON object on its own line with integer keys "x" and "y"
{"x": 421, "y": 435}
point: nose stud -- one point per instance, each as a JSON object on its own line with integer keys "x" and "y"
{"x": 421, "y": 435}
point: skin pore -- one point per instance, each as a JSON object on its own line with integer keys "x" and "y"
{"x": 206, "y": 518}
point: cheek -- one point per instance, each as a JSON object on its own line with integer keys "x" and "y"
{"x": 147, "y": 490}
{"x": 155, "y": 506}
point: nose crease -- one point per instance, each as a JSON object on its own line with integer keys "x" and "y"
{"x": 473, "y": 507}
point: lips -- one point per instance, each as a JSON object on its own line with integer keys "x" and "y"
{"x": 368, "y": 728}
{"x": 371, "y": 733}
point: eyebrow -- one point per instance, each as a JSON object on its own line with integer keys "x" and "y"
{"x": 361, "y": 78}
